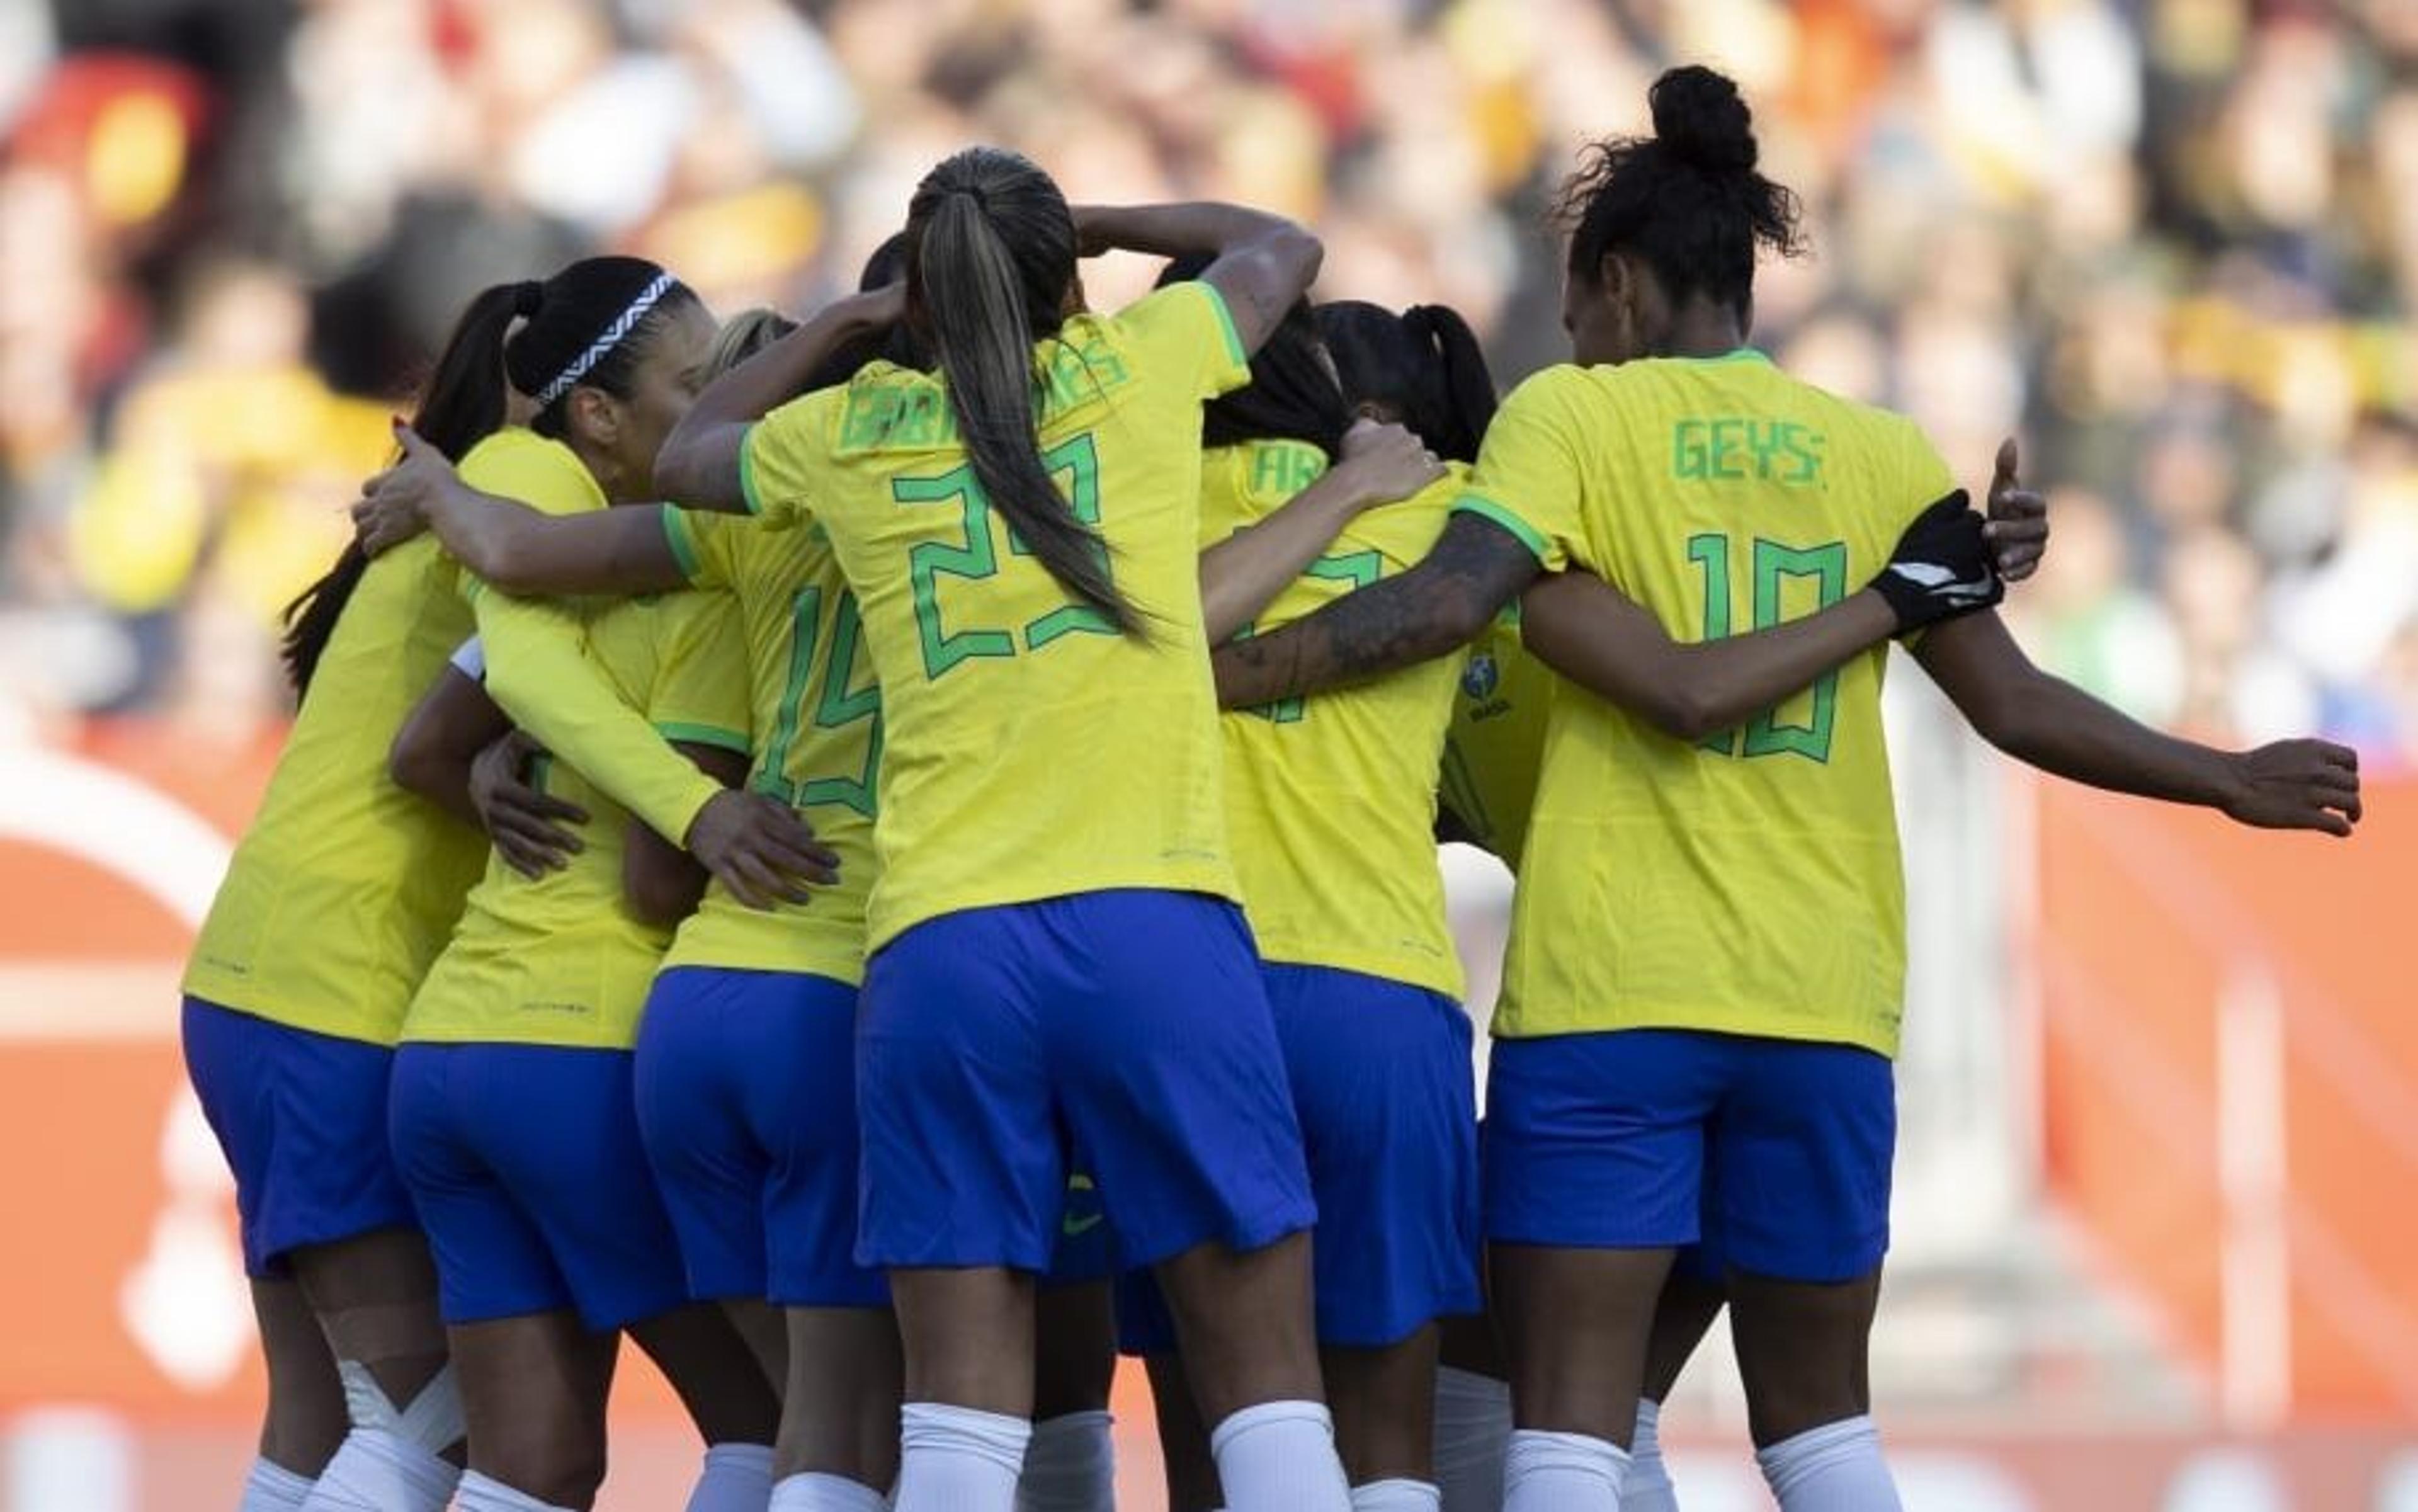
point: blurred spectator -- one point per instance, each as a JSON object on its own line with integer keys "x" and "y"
{"x": 2174, "y": 242}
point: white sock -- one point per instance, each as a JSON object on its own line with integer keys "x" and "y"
{"x": 1070, "y": 1465}
{"x": 272, "y": 1488}
{"x": 1473, "y": 1426}
{"x": 1280, "y": 1457}
{"x": 375, "y": 1471}
{"x": 1396, "y": 1496}
{"x": 1562, "y": 1473}
{"x": 1834, "y": 1468}
{"x": 480, "y": 1494}
{"x": 958, "y": 1460}
{"x": 817, "y": 1491}
{"x": 1648, "y": 1488}
{"x": 738, "y": 1478}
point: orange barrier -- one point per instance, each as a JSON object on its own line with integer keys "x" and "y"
{"x": 2231, "y": 1089}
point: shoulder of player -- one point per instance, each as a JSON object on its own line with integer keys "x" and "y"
{"x": 517, "y": 463}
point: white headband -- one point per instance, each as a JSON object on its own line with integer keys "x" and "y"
{"x": 622, "y": 326}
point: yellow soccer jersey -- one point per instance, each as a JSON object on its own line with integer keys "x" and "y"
{"x": 535, "y": 670}
{"x": 1030, "y": 751}
{"x": 1750, "y": 883}
{"x": 1496, "y": 744}
{"x": 345, "y": 887}
{"x": 816, "y": 718}
{"x": 560, "y": 959}
{"x": 1331, "y": 798}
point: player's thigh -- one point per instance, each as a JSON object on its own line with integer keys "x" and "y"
{"x": 1576, "y": 1325}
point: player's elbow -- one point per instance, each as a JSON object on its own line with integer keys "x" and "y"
{"x": 1296, "y": 249}
{"x": 416, "y": 760}
{"x": 1686, "y": 711}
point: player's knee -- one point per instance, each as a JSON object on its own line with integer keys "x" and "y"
{"x": 415, "y": 1398}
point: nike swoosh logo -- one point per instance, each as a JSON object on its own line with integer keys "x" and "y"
{"x": 1077, "y": 1228}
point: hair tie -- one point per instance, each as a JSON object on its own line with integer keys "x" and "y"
{"x": 612, "y": 336}
{"x": 527, "y": 299}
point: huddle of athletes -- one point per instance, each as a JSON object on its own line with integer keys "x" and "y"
{"x": 996, "y": 971}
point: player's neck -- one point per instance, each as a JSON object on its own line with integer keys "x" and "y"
{"x": 1702, "y": 327}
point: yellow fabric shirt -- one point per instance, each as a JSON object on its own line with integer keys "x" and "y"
{"x": 1331, "y": 798}
{"x": 345, "y": 887}
{"x": 817, "y": 719}
{"x": 1751, "y": 884}
{"x": 535, "y": 668}
{"x": 561, "y": 959}
{"x": 1496, "y": 744}
{"x": 1031, "y": 752}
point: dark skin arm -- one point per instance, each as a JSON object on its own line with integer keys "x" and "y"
{"x": 2047, "y": 723}
{"x": 1602, "y": 639}
{"x": 1435, "y": 607}
{"x": 1263, "y": 264}
{"x": 699, "y": 464}
{"x": 461, "y": 753}
{"x": 660, "y": 881}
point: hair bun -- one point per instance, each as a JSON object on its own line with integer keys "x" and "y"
{"x": 1700, "y": 118}
{"x": 527, "y": 299}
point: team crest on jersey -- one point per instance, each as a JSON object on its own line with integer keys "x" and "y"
{"x": 1478, "y": 678}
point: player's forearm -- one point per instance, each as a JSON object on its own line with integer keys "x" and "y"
{"x": 1398, "y": 622}
{"x": 1243, "y": 574}
{"x": 2056, "y": 726}
{"x": 1198, "y": 227}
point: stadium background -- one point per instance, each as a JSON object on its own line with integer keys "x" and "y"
{"x": 2160, "y": 1131}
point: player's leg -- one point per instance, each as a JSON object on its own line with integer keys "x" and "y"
{"x": 722, "y": 1384}
{"x": 305, "y": 1420}
{"x": 534, "y": 1388}
{"x": 1173, "y": 1082}
{"x": 1692, "y": 1298}
{"x": 1473, "y": 1414}
{"x": 1183, "y": 1437}
{"x": 1802, "y": 1168}
{"x": 1594, "y": 1168}
{"x": 1070, "y": 1465}
{"x": 964, "y": 1189}
{"x": 1381, "y": 1080}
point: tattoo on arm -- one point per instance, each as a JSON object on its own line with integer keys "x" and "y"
{"x": 1435, "y": 607}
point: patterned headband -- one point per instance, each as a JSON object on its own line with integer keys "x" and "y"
{"x": 612, "y": 336}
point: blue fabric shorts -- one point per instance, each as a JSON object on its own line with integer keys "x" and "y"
{"x": 303, "y": 1119}
{"x": 1381, "y": 1080}
{"x": 1643, "y": 1139}
{"x": 1131, "y": 1025}
{"x": 527, "y": 1167}
{"x": 746, "y": 1092}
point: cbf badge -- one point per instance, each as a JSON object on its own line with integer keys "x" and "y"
{"x": 1478, "y": 678}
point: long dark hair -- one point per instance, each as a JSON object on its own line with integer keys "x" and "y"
{"x": 990, "y": 254}
{"x": 1688, "y": 199}
{"x": 583, "y": 328}
{"x": 1291, "y": 395}
{"x": 1424, "y": 366}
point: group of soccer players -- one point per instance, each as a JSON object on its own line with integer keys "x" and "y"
{"x": 825, "y": 928}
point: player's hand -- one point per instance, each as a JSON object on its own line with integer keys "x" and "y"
{"x": 762, "y": 849}
{"x": 2296, "y": 784}
{"x": 393, "y": 506}
{"x": 1941, "y": 567}
{"x": 1381, "y": 464}
{"x": 2018, "y": 519}
{"x": 530, "y": 828}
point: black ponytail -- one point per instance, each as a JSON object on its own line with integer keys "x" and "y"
{"x": 1423, "y": 367}
{"x": 990, "y": 254}
{"x": 1293, "y": 395}
{"x": 566, "y": 321}
{"x": 1688, "y": 200}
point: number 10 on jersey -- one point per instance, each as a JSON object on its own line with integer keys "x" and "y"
{"x": 1770, "y": 567}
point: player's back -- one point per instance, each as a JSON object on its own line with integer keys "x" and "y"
{"x": 1754, "y": 876}
{"x": 345, "y": 886}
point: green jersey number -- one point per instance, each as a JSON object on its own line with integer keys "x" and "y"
{"x": 1773, "y": 564}
{"x": 1355, "y": 569}
{"x": 841, "y": 701}
{"x": 1074, "y": 464}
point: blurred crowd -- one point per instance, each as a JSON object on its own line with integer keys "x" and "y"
{"x": 2172, "y": 243}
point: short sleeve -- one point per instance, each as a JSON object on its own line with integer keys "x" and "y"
{"x": 545, "y": 474}
{"x": 1185, "y": 332}
{"x": 1928, "y": 477}
{"x": 1529, "y": 475}
{"x": 701, "y": 689}
{"x": 700, "y": 543}
{"x": 785, "y": 455}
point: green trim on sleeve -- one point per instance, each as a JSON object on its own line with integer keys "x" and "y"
{"x": 1226, "y": 323}
{"x": 747, "y": 470}
{"x": 679, "y": 536}
{"x": 712, "y": 735}
{"x": 1486, "y": 509}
